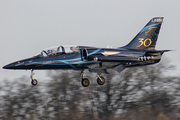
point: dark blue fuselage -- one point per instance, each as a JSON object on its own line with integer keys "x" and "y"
{"x": 80, "y": 60}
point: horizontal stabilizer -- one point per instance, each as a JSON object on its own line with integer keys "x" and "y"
{"x": 156, "y": 52}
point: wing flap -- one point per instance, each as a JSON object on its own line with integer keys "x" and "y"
{"x": 119, "y": 68}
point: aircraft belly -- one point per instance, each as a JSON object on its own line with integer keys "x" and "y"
{"x": 142, "y": 63}
{"x": 65, "y": 66}
{"x": 105, "y": 65}
{"x": 58, "y": 66}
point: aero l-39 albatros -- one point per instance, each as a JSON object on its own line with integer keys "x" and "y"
{"x": 139, "y": 52}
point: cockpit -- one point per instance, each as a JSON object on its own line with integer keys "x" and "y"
{"x": 59, "y": 50}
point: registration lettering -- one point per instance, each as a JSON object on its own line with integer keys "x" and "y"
{"x": 157, "y": 20}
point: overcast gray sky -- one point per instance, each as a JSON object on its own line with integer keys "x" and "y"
{"x": 28, "y": 26}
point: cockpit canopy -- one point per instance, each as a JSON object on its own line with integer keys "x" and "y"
{"x": 59, "y": 50}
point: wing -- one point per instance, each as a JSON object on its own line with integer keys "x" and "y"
{"x": 108, "y": 62}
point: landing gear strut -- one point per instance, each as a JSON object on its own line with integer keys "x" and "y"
{"x": 84, "y": 81}
{"x": 100, "y": 79}
{"x": 33, "y": 81}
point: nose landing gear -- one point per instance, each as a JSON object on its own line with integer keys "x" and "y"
{"x": 33, "y": 81}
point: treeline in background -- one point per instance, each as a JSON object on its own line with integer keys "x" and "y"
{"x": 139, "y": 93}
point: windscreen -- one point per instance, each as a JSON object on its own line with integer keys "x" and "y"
{"x": 59, "y": 50}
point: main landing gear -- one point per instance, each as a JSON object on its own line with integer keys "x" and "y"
{"x": 100, "y": 80}
{"x": 85, "y": 81}
{"x": 33, "y": 81}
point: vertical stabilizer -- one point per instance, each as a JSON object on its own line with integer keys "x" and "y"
{"x": 147, "y": 37}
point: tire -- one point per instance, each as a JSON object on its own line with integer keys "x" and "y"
{"x": 34, "y": 82}
{"x": 85, "y": 82}
{"x": 101, "y": 81}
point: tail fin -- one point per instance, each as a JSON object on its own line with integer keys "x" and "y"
{"x": 147, "y": 37}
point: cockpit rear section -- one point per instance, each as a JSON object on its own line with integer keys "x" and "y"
{"x": 58, "y": 50}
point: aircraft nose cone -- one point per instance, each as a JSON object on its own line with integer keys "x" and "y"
{"x": 21, "y": 64}
{"x": 14, "y": 65}
{"x": 9, "y": 66}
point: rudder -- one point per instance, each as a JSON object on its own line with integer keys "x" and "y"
{"x": 147, "y": 37}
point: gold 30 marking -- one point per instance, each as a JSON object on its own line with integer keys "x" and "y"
{"x": 146, "y": 43}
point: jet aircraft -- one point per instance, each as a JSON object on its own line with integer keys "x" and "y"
{"x": 139, "y": 51}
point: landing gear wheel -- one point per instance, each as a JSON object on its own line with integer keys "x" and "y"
{"x": 85, "y": 82}
{"x": 34, "y": 82}
{"x": 100, "y": 80}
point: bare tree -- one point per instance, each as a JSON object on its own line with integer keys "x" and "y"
{"x": 20, "y": 101}
{"x": 63, "y": 95}
{"x": 139, "y": 91}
